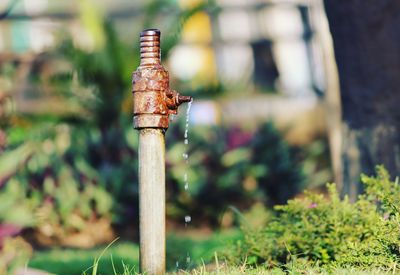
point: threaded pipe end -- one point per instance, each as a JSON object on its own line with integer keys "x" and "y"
{"x": 150, "y": 52}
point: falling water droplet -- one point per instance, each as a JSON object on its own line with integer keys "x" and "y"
{"x": 185, "y": 155}
{"x": 185, "y": 179}
{"x": 186, "y": 129}
{"x": 188, "y": 219}
{"x": 177, "y": 264}
{"x": 188, "y": 258}
{"x": 187, "y": 122}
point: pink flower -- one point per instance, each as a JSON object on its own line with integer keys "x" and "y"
{"x": 8, "y": 230}
{"x": 313, "y": 205}
{"x": 238, "y": 137}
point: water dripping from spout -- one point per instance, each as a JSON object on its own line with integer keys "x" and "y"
{"x": 185, "y": 156}
{"x": 187, "y": 259}
{"x": 186, "y": 141}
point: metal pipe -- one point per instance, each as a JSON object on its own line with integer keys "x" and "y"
{"x": 152, "y": 201}
{"x": 154, "y": 101}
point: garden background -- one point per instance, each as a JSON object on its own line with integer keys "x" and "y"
{"x": 278, "y": 108}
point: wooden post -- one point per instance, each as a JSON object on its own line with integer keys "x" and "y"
{"x": 152, "y": 200}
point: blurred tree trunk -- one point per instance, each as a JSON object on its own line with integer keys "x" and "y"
{"x": 366, "y": 36}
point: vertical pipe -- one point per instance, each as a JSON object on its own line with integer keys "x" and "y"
{"x": 153, "y": 102}
{"x": 152, "y": 200}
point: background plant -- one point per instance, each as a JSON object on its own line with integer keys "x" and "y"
{"x": 329, "y": 231}
{"x": 76, "y": 169}
{"x": 230, "y": 166}
{"x": 93, "y": 147}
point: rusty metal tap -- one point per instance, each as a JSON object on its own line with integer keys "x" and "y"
{"x": 153, "y": 100}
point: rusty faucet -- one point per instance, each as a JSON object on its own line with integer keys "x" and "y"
{"x": 153, "y": 102}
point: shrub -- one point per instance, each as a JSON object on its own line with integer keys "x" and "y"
{"x": 328, "y": 231}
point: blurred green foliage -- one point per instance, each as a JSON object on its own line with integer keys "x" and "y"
{"x": 327, "y": 231}
{"x": 52, "y": 186}
{"x": 229, "y": 166}
{"x": 61, "y": 174}
{"x": 13, "y": 197}
{"x": 95, "y": 146}
{"x": 14, "y": 254}
{"x": 77, "y": 168}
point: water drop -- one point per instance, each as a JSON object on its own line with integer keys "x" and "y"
{"x": 185, "y": 155}
{"x": 188, "y": 219}
{"x": 185, "y": 179}
{"x": 188, "y": 259}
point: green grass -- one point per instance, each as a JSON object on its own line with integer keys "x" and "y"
{"x": 122, "y": 258}
{"x": 74, "y": 261}
{"x": 232, "y": 270}
{"x": 198, "y": 248}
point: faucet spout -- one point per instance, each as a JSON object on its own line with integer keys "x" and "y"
{"x": 184, "y": 99}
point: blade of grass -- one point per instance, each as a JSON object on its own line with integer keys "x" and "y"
{"x": 97, "y": 260}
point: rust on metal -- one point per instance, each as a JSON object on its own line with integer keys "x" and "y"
{"x": 153, "y": 100}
